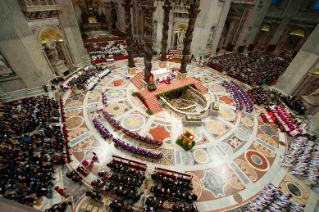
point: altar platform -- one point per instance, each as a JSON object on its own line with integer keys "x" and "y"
{"x": 150, "y": 96}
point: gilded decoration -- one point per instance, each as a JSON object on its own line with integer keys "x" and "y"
{"x": 50, "y": 34}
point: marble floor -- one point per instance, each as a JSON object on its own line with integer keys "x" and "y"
{"x": 235, "y": 155}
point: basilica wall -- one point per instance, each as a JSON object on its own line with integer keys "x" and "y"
{"x": 26, "y": 28}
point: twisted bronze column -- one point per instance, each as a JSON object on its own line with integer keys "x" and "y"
{"x": 167, "y": 8}
{"x": 129, "y": 35}
{"x": 192, "y": 12}
{"x": 148, "y": 9}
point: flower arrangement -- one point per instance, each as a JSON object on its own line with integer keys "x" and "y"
{"x": 116, "y": 124}
{"x": 137, "y": 150}
{"x": 141, "y": 96}
{"x": 103, "y": 131}
{"x": 149, "y": 112}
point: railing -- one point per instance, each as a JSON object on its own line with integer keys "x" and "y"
{"x": 179, "y": 111}
{"x": 39, "y": 5}
{"x": 37, "y": 2}
{"x": 63, "y": 127}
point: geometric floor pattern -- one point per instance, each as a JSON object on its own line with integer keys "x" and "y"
{"x": 235, "y": 155}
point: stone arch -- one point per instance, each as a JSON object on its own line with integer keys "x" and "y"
{"x": 222, "y": 39}
{"x": 48, "y": 33}
{"x": 296, "y": 36}
{"x": 298, "y": 31}
{"x": 53, "y": 32}
{"x": 263, "y": 36}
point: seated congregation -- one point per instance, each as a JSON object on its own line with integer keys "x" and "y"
{"x": 256, "y": 68}
{"x": 31, "y": 145}
{"x": 112, "y": 49}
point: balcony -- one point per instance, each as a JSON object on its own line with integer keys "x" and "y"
{"x": 39, "y": 5}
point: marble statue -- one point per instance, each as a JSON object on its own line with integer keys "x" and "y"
{"x": 5, "y": 71}
{"x": 211, "y": 36}
{"x": 313, "y": 97}
{"x": 51, "y": 50}
{"x": 180, "y": 38}
{"x": 311, "y": 102}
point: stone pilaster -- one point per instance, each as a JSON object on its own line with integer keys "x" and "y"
{"x": 257, "y": 20}
{"x": 192, "y": 12}
{"x": 129, "y": 35}
{"x": 72, "y": 33}
{"x": 20, "y": 48}
{"x": 221, "y": 25}
{"x": 305, "y": 61}
{"x": 290, "y": 11}
{"x": 167, "y": 8}
{"x": 148, "y": 10}
{"x": 231, "y": 32}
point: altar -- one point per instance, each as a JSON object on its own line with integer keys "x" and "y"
{"x": 160, "y": 72}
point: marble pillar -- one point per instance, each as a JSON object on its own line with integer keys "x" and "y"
{"x": 148, "y": 10}
{"x": 20, "y": 47}
{"x": 192, "y": 12}
{"x": 230, "y": 33}
{"x": 166, "y": 8}
{"x": 290, "y": 11}
{"x": 245, "y": 25}
{"x": 315, "y": 119}
{"x": 221, "y": 24}
{"x": 129, "y": 35}
{"x": 72, "y": 33}
{"x": 304, "y": 62}
{"x": 257, "y": 20}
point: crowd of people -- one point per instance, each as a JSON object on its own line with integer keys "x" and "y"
{"x": 112, "y": 49}
{"x": 256, "y": 68}
{"x": 272, "y": 199}
{"x": 87, "y": 78}
{"x": 31, "y": 144}
{"x": 170, "y": 188}
{"x": 270, "y": 97}
{"x": 123, "y": 181}
{"x": 303, "y": 157}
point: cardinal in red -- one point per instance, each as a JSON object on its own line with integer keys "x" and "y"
{"x": 60, "y": 190}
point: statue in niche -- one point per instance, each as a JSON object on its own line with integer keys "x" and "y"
{"x": 313, "y": 97}
{"x": 5, "y": 70}
{"x": 51, "y": 50}
{"x": 211, "y": 36}
{"x": 180, "y": 38}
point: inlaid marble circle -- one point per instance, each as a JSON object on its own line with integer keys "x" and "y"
{"x": 247, "y": 122}
{"x": 217, "y": 88}
{"x": 294, "y": 190}
{"x": 257, "y": 160}
{"x": 205, "y": 79}
{"x": 247, "y": 169}
{"x": 116, "y": 108}
{"x": 94, "y": 95}
{"x": 115, "y": 94}
{"x": 74, "y": 122}
{"x": 226, "y": 113}
{"x": 200, "y": 156}
{"x": 133, "y": 122}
